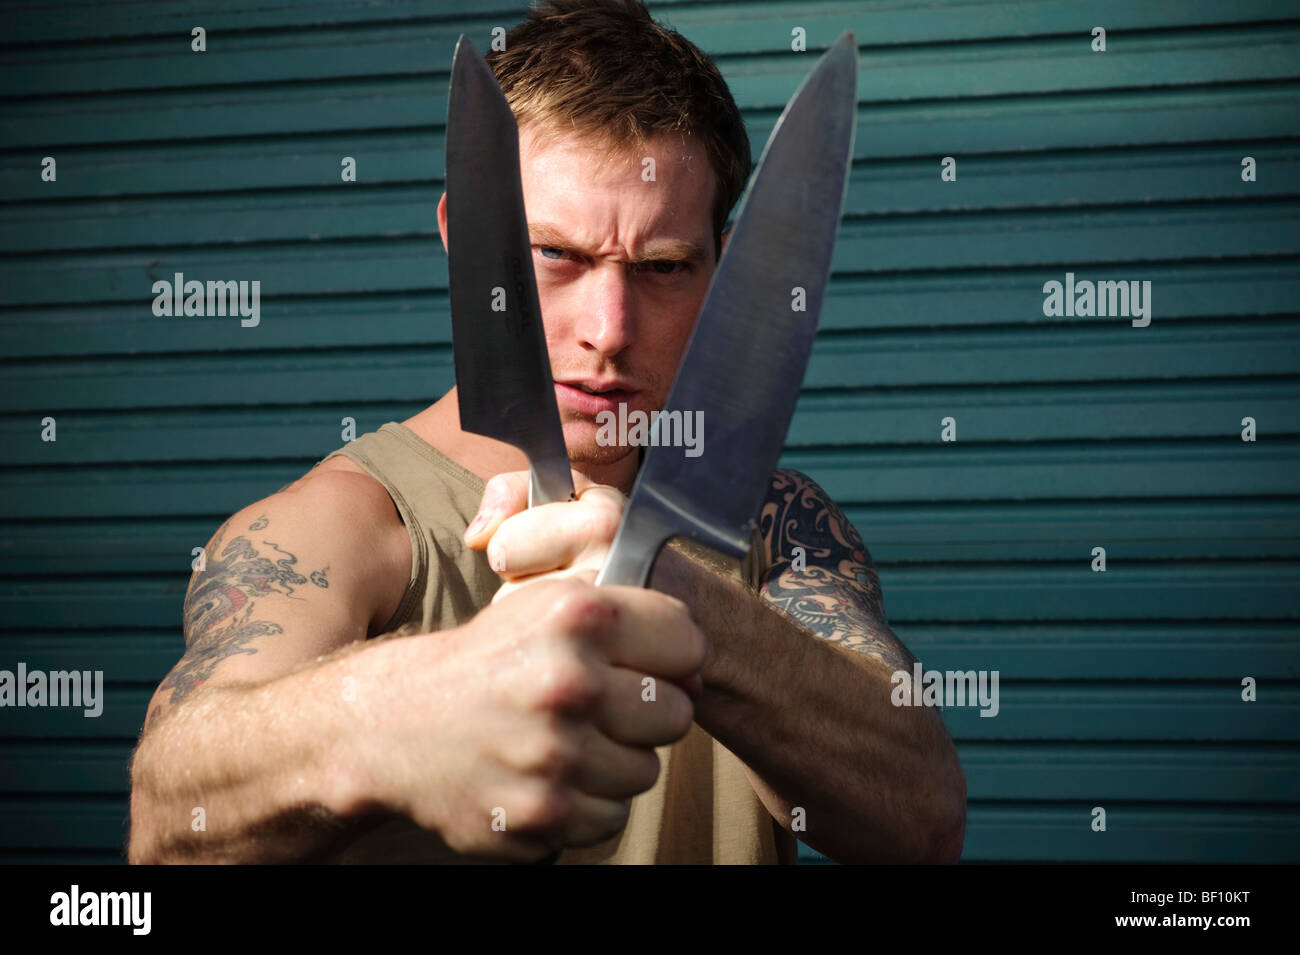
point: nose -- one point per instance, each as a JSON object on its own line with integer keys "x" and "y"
{"x": 607, "y": 323}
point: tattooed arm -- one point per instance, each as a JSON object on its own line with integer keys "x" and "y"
{"x": 798, "y": 686}
{"x": 219, "y": 605}
{"x": 820, "y": 572}
{"x": 246, "y": 725}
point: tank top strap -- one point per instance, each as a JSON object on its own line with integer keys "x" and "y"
{"x": 436, "y": 499}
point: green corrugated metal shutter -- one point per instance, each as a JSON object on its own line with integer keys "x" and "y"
{"x": 1119, "y": 689}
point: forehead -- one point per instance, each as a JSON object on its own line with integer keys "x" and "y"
{"x": 664, "y": 185}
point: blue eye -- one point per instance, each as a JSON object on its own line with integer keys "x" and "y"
{"x": 546, "y": 250}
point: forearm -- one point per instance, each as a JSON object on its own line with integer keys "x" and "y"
{"x": 814, "y": 724}
{"x": 267, "y": 764}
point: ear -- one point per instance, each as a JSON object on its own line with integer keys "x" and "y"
{"x": 442, "y": 220}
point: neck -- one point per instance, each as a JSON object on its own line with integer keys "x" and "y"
{"x": 439, "y": 425}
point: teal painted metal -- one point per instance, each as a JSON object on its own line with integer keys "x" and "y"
{"x": 1119, "y": 689}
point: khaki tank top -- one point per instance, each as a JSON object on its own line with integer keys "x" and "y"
{"x": 702, "y": 809}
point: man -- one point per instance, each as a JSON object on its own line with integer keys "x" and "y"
{"x": 352, "y": 691}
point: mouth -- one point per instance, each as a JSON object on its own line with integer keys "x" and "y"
{"x": 592, "y": 397}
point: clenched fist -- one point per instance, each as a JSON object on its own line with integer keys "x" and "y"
{"x": 527, "y": 730}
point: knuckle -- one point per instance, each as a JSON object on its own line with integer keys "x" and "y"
{"x": 543, "y": 807}
{"x": 603, "y": 519}
{"x": 554, "y": 754}
{"x": 566, "y": 683}
{"x": 579, "y": 608}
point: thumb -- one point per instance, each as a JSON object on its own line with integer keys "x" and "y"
{"x": 503, "y": 497}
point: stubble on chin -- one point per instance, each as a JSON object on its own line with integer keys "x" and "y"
{"x": 603, "y": 464}
{"x": 584, "y": 449}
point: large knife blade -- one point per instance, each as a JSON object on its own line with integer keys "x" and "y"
{"x": 749, "y": 350}
{"x": 503, "y": 372}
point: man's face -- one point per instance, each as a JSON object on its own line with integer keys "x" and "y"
{"x": 622, "y": 264}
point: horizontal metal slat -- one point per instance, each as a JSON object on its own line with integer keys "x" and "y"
{"x": 930, "y": 302}
{"x": 963, "y": 364}
{"x": 719, "y": 27}
{"x": 1077, "y": 350}
{"x": 764, "y": 80}
{"x": 1051, "y": 650}
{"x": 78, "y": 823}
{"x": 1205, "y": 773}
{"x": 1044, "y": 413}
{"x": 1063, "y": 241}
{"x": 939, "y": 474}
{"x": 899, "y": 533}
{"x": 952, "y": 472}
{"x": 1210, "y": 590}
{"x": 356, "y": 211}
{"x": 1041, "y": 70}
{"x": 928, "y": 130}
{"x": 1102, "y": 412}
{"x": 1106, "y": 650}
{"x": 895, "y": 534}
{"x": 122, "y": 656}
{"x": 984, "y": 592}
{"x": 1133, "y": 834}
{"x": 1041, "y": 711}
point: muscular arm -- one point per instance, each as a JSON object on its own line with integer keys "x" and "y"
{"x": 219, "y": 620}
{"x": 798, "y": 686}
{"x": 248, "y": 726}
{"x": 836, "y": 595}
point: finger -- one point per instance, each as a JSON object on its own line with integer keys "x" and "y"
{"x": 613, "y": 770}
{"x": 504, "y": 495}
{"x": 582, "y": 484}
{"x": 543, "y": 538}
{"x": 584, "y": 820}
{"x": 585, "y": 574}
{"x": 657, "y": 635}
{"x": 604, "y": 495}
{"x": 555, "y": 536}
{"x": 595, "y": 819}
{"x": 642, "y": 710}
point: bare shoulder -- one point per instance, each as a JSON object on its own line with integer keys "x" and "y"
{"x": 289, "y": 578}
{"x": 341, "y": 509}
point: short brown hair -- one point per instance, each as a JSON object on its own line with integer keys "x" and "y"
{"x": 605, "y": 68}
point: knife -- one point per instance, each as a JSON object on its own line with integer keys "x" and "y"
{"x": 749, "y": 350}
{"x": 503, "y": 372}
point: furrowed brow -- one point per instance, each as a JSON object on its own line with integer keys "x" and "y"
{"x": 675, "y": 250}
{"x": 540, "y": 233}
{"x": 656, "y": 250}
